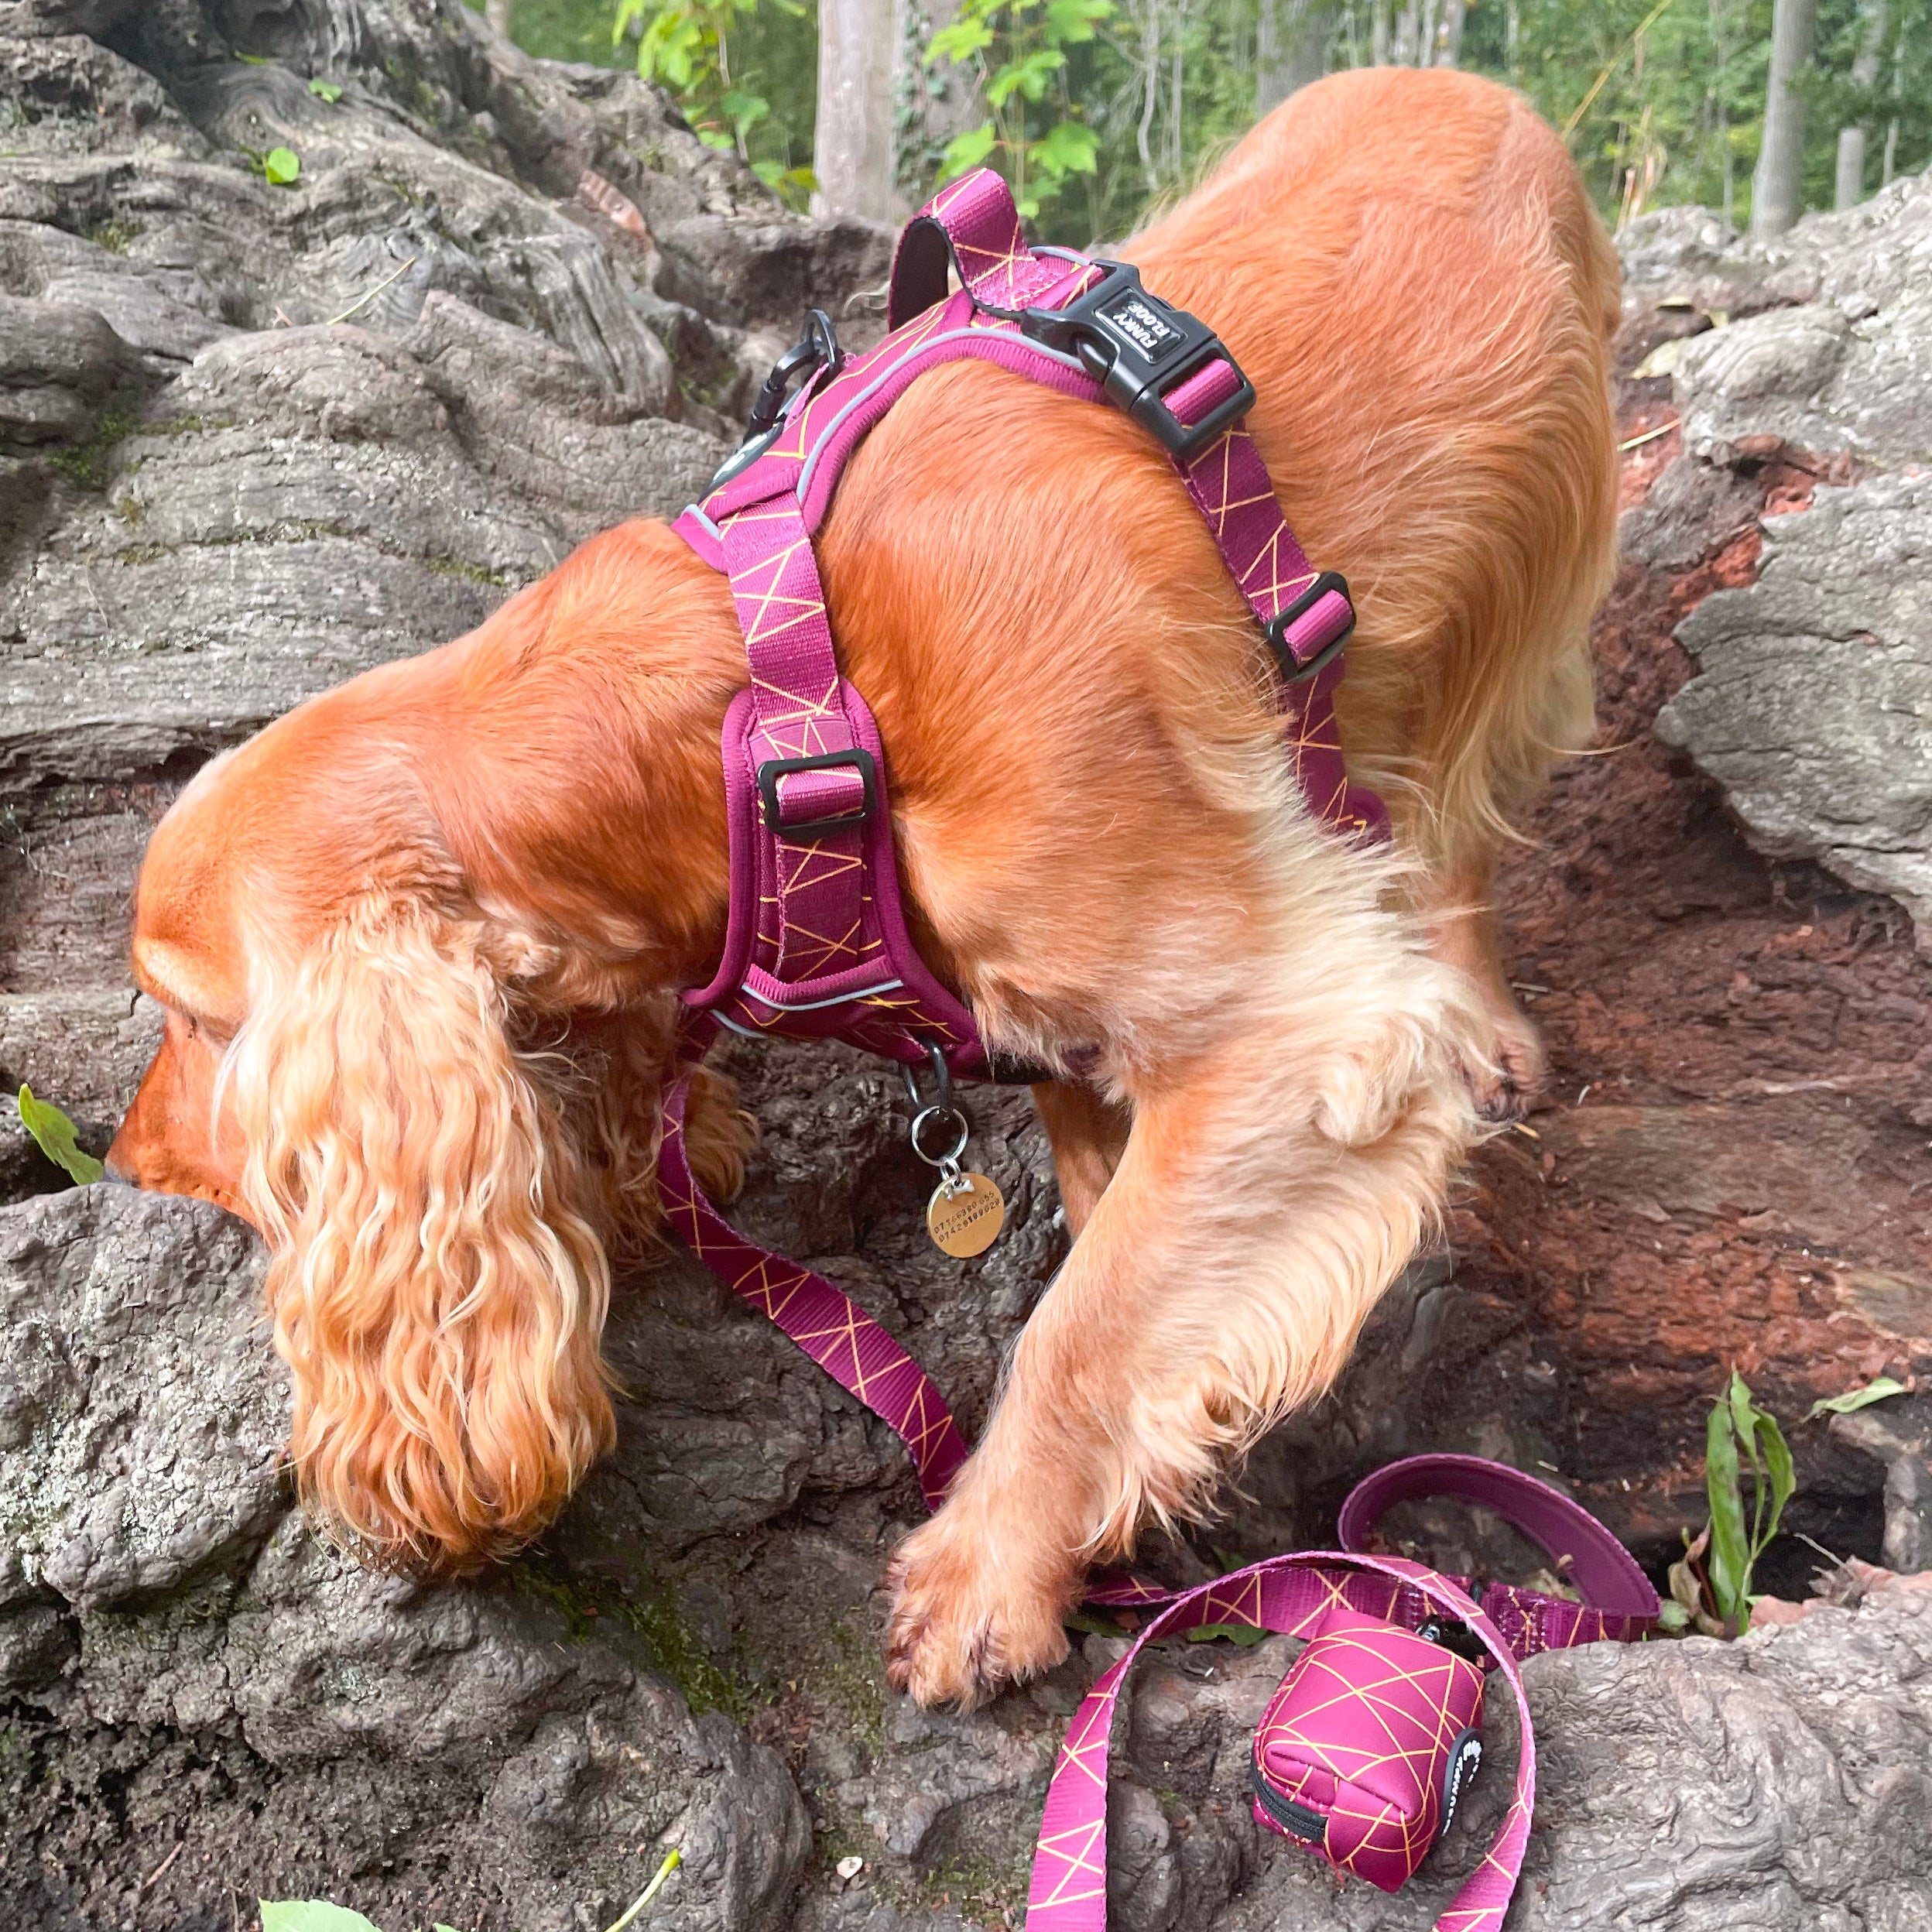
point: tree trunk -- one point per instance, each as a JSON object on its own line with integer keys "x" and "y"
{"x": 1449, "y": 33}
{"x": 498, "y": 13}
{"x": 1408, "y": 25}
{"x": 852, "y": 144}
{"x": 1777, "y": 183}
{"x": 1850, "y": 187}
{"x": 1291, "y": 48}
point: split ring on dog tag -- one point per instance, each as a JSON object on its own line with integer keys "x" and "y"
{"x": 967, "y": 1212}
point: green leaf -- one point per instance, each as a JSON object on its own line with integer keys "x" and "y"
{"x": 253, "y": 59}
{"x": 329, "y": 91}
{"x": 281, "y": 166}
{"x": 54, "y": 1134}
{"x": 744, "y": 111}
{"x": 1070, "y": 149}
{"x": 1068, "y": 23}
{"x": 1246, "y": 1634}
{"x": 1854, "y": 1400}
{"x": 1673, "y": 1617}
{"x": 1784, "y": 1477}
{"x": 965, "y": 152}
{"x": 1031, "y": 77}
{"x": 959, "y": 41}
{"x": 1730, "y": 1567}
{"x": 310, "y": 1915}
{"x": 1094, "y": 1626}
{"x": 1743, "y": 1413}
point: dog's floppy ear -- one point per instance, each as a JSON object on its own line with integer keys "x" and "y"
{"x": 436, "y": 1287}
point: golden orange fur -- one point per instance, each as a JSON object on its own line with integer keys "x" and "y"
{"x": 418, "y": 939}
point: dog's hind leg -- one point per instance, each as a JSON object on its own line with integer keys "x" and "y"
{"x": 1276, "y": 1179}
{"x": 1089, "y": 1134}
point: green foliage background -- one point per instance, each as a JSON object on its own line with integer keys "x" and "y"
{"x": 1677, "y": 118}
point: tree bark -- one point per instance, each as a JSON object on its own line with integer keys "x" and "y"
{"x": 1408, "y": 29}
{"x": 1777, "y": 183}
{"x": 852, "y": 143}
{"x": 498, "y": 13}
{"x": 1449, "y": 33}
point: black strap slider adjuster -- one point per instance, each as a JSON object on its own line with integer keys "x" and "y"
{"x": 1292, "y": 671}
{"x": 772, "y": 769}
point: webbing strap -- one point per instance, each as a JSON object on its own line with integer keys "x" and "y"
{"x": 814, "y": 947}
{"x": 831, "y": 1328}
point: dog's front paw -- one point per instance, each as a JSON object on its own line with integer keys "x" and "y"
{"x": 971, "y": 1612}
{"x": 1503, "y": 1090}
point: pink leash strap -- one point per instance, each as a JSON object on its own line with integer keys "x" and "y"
{"x": 839, "y": 1334}
{"x": 1289, "y": 1594}
{"x": 1618, "y": 1604}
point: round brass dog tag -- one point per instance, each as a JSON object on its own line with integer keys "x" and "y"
{"x": 964, "y": 1216}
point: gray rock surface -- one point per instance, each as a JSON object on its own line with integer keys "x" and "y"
{"x": 1812, "y": 708}
{"x": 253, "y": 439}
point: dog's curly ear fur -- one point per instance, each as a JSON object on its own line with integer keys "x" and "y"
{"x": 437, "y": 1284}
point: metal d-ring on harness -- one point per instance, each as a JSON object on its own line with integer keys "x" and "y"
{"x": 967, "y": 1211}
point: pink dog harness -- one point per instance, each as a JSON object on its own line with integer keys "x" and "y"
{"x": 816, "y": 947}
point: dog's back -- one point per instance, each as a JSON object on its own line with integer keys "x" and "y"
{"x": 1407, "y": 266}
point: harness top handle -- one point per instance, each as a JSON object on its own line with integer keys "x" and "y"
{"x": 972, "y": 224}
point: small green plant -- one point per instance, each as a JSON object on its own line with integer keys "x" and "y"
{"x": 1711, "y": 1586}
{"x": 54, "y": 1134}
{"x": 328, "y": 90}
{"x": 1246, "y": 1634}
{"x": 280, "y": 166}
{"x": 685, "y": 46}
{"x": 1017, "y": 49}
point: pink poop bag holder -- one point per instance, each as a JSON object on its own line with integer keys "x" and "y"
{"x": 1364, "y": 1750}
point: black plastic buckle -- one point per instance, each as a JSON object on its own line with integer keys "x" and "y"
{"x": 1140, "y": 350}
{"x": 774, "y": 768}
{"x": 817, "y": 349}
{"x": 1277, "y": 631}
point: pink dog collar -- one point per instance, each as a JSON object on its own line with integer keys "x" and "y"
{"x": 816, "y": 946}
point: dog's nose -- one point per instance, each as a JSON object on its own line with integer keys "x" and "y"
{"x": 110, "y": 1172}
